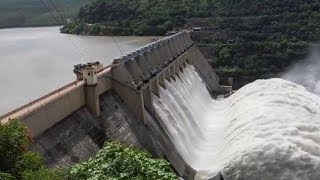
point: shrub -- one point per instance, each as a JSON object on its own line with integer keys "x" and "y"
{"x": 14, "y": 141}
{"x": 16, "y": 162}
{"x": 117, "y": 161}
{"x": 6, "y": 176}
{"x": 43, "y": 173}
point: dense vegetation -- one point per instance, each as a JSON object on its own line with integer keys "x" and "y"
{"x": 117, "y": 161}
{"x": 114, "y": 161}
{"x": 251, "y": 39}
{"x": 20, "y": 13}
{"x": 260, "y": 39}
{"x": 134, "y": 17}
{"x": 16, "y": 162}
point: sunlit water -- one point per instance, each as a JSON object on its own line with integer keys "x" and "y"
{"x": 269, "y": 129}
{"x": 35, "y": 61}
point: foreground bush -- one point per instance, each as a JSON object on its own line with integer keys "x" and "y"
{"x": 117, "y": 161}
{"x": 114, "y": 161}
{"x": 16, "y": 162}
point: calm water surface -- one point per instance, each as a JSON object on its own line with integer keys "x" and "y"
{"x": 35, "y": 61}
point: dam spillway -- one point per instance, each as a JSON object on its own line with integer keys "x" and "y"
{"x": 115, "y": 103}
{"x": 161, "y": 98}
{"x": 184, "y": 109}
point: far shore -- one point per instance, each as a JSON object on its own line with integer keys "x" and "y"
{"x": 40, "y": 26}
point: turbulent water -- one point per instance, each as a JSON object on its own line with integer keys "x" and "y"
{"x": 307, "y": 72}
{"x": 269, "y": 129}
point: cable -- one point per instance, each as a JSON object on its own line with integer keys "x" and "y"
{"x": 63, "y": 19}
{"x": 80, "y": 42}
{"x": 117, "y": 45}
{"x": 77, "y": 38}
{"x": 55, "y": 19}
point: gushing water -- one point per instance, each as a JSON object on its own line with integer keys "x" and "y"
{"x": 307, "y": 72}
{"x": 269, "y": 129}
{"x": 183, "y": 108}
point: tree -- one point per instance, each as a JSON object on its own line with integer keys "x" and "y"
{"x": 118, "y": 161}
{"x": 14, "y": 141}
{"x": 95, "y": 29}
{"x": 16, "y": 162}
{"x": 6, "y": 176}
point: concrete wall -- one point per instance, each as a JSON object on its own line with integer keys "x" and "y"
{"x": 80, "y": 135}
{"x": 54, "y": 111}
{"x": 51, "y": 113}
{"x": 50, "y": 109}
{"x": 104, "y": 83}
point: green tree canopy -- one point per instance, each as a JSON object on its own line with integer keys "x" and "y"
{"x": 118, "y": 161}
{"x": 16, "y": 162}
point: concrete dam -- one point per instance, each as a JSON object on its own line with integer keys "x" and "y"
{"x": 123, "y": 102}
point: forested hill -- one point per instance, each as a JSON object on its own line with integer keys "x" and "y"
{"x": 155, "y": 17}
{"x": 262, "y": 38}
{"x": 252, "y": 38}
{"x": 136, "y": 17}
{"x": 20, "y": 13}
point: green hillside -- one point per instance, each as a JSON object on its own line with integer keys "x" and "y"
{"x": 19, "y": 13}
{"x": 262, "y": 38}
{"x": 136, "y": 17}
{"x": 251, "y": 39}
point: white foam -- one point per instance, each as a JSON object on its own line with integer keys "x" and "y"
{"x": 307, "y": 72}
{"x": 269, "y": 129}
